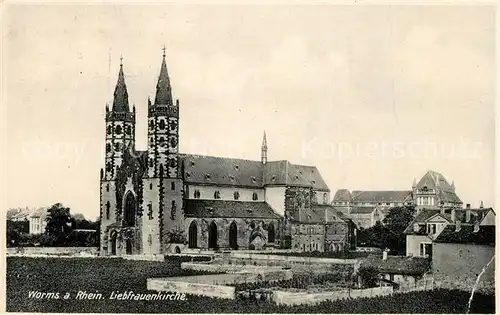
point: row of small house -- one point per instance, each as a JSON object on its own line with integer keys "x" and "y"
{"x": 453, "y": 247}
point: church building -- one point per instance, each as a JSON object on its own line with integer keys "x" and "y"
{"x": 161, "y": 200}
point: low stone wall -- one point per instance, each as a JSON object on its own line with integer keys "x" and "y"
{"x": 297, "y": 298}
{"x": 151, "y": 257}
{"x": 52, "y": 251}
{"x": 292, "y": 259}
{"x": 233, "y": 268}
{"x": 217, "y": 291}
{"x": 233, "y": 278}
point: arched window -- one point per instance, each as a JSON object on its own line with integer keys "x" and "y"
{"x": 162, "y": 124}
{"x": 150, "y": 211}
{"x": 108, "y": 207}
{"x": 118, "y": 129}
{"x": 173, "y": 210}
{"x": 150, "y": 240}
{"x": 325, "y": 198}
{"x": 197, "y": 194}
{"x": 108, "y": 147}
{"x": 107, "y": 187}
{"x": 217, "y": 194}
{"x": 129, "y": 130}
{"x": 270, "y": 233}
{"x": 172, "y": 185}
{"x": 236, "y": 195}
{"x": 255, "y": 196}
{"x": 130, "y": 208}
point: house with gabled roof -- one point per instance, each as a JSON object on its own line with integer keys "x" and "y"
{"x": 428, "y": 225}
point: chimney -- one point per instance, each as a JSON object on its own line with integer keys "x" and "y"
{"x": 458, "y": 226}
{"x": 481, "y": 206}
{"x": 467, "y": 206}
{"x": 453, "y": 215}
{"x": 384, "y": 254}
{"x": 476, "y": 227}
{"x": 467, "y": 215}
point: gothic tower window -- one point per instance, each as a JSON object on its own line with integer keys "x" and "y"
{"x": 150, "y": 186}
{"x": 118, "y": 129}
{"x": 173, "y": 210}
{"x": 150, "y": 240}
{"x": 108, "y": 147}
{"x": 117, "y": 146}
{"x": 217, "y": 194}
{"x": 110, "y": 130}
{"x": 109, "y": 167}
{"x": 107, "y": 187}
{"x": 197, "y": 194}
{"x": 162, "y": 124}
{"x": 173, "y": 125}
{"x": 162, "y": 141}
{"x": 325, "y": 198}
{"x": 129, "y": 130}
{"x": 150, "y": 211}
{"x": 236, "y": 195}
{"x": 172, "y": 185}
{"x": 108, "y": 207}
{"x": 173, "y": 141}
{"x": 255, "y": 196}
{"x": 151, "y": 162}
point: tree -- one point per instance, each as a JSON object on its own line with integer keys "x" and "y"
{"x": 369, "y": 276}
{"x": 58, "y": 222}
{"x": 395, "y": 223}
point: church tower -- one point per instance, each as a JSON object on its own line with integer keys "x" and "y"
{"x": 162, "y": 181}
{"x": 120, "y": 134}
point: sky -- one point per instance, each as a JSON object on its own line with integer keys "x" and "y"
{"x": 374, "y": 96}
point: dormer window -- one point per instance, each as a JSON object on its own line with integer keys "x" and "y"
{"x": 273, "y": 179}
{"x": 296, "y": 177}
{"x": 188, "y": 174}
{"x": 192, "y": 163}
{"x": 313, "y": 182}
{"x": 236, "y": 167}
{"x": 207, "y": 176}
{"x": 231, "y": 177}
{"x": 253, "y": 179}
{"x": 416, "y": 227}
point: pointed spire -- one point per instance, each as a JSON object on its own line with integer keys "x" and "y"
{"x": 120, "y": 101}
{"x": 414, "y": 183}
{"x": 264, "y": 141}
{"x": 163, "y": 88}
{"x": 263, "y": 155}
{"x": 481, "y": 206}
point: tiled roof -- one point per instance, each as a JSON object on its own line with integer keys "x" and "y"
{"x": 362, "y": 210}
{"x": 466, "y": 235}
{"x": 449, "y": 196}
{"x": 342, "y": 195}
{"x": 211, "y": 170}
{"x": 214, "y": 170}
{"x": 475, "y": 215}
{"x": 228, "y": 209}
{"x": 380, "y": 195}
{"x": 433, "y": 179}
{"x": 39, "y": 213}
{"x": 421, "y": 217}
{"x": 399, "y": 265}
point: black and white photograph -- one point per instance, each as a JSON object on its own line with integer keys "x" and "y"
{"x": 251, "y": 157}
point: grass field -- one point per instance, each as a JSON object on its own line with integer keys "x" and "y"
{"x": 107, "y": 275}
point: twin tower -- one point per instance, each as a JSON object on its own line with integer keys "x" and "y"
{"x": 141, "y": 191}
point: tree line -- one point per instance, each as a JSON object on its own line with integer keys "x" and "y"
{"x": 61, "y": 229}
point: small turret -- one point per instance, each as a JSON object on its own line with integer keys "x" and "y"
{"x": 264, "y": 149}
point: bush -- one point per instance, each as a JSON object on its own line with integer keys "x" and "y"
{"x": 369, "y": 276}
